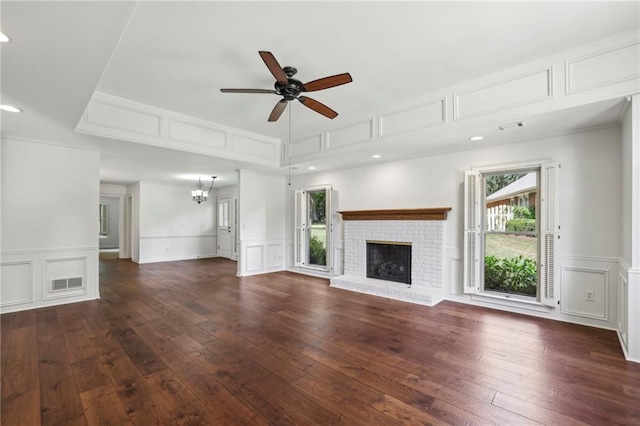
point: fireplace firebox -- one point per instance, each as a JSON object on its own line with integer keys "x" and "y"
{"x": 390, "y": 261}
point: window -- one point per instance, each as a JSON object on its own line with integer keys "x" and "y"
{"x": 511, "y": 232}
{"x": 313, "y": 228}
{"x": 223, "y": 213}
{"x": 103, "y": 218}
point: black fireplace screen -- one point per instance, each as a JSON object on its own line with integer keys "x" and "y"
{"x": 389, "y": 261}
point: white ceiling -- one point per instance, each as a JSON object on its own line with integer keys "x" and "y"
{"x": 177, "y": 55}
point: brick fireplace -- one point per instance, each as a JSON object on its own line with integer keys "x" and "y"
{"x": 421, "y": 229}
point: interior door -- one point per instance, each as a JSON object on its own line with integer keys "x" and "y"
{"x": 225, "y": 228}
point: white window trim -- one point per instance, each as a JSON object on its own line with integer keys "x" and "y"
{"x": 301, "y": 227}
{"x": 548, "y": 232}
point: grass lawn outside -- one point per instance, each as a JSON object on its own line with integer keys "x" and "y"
{"x": 509, "y": 246}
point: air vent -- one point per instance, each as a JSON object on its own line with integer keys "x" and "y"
{"x": 60, "y": 284}
{"x": 510, "y": 126}
{"x": 66, "y": 283}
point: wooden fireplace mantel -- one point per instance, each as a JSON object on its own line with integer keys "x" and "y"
{"x": 437, "y": 213}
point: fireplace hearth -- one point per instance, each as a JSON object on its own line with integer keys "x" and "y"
{"x": 420, "y": 231}
{"x": 389, "y": 261}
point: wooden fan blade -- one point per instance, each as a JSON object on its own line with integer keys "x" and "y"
{"x": 318, "y": 107}
{"x": 248, "y": 91}
{"x": 327, "y": 82}
{"x": 277, "y": 110}
{"x": 273, "y": 65}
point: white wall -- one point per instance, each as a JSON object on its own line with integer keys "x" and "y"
{"x": 172, "y": 226}
{"x": 50, "y": 196}
{"x": 626, "y": 188}
{"x": 262, "y": 222}
{"x": 629, "y": 276}
{"x": 590, "y": 209}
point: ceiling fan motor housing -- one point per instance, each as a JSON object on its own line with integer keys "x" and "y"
{"x": 291, "y": 89}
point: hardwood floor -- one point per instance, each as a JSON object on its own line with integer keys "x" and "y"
{"x": 190, "y": 343}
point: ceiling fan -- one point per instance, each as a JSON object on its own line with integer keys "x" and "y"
{"x": 290, "y": 88}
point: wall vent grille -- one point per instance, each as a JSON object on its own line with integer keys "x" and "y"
{"x": 516, "y": 125}
{"x": 66, "y": 283}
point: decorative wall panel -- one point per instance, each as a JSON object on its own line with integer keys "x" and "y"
{"x": 121, "y": 118}
{"x": 623, "y": 315}
{"x": 17, "y": 283}
{"x": 254, "y": 147}
{"x": 307, "y": 146}
{"x": 200, "y": 135}
{"x": 585, "y": 292}
{"x": 521, "y": 90}
{"x": 60, "y": 268}
{"x": 274, "y": 256}
{"x": 254, "y": 258}
{"x": 603, "y": 68}
{"x": 415, "y": 118}
{"x": 352, "y": 135}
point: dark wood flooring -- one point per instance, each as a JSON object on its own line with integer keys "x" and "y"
{"x": 190, "y": 343}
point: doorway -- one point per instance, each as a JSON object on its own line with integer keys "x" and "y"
{"x": 227, "y": 226}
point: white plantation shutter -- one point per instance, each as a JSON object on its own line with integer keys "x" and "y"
{"x": 300, "y": 234}
{"x": 549, "y": 232}
{"x": 472, "y": 228}
{"x": 329, "y": 221}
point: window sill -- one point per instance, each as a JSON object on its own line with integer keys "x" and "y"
{"x": 511, "y": 301}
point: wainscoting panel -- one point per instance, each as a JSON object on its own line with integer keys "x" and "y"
{"x": 17, "y": 283}
{"x": 27, "y": 277}
{"x": 64, "y": 269}
{"x": 307, "y": 146}
{"x": 623, "y": 315}
{"x": 254, "y": 258}
{"x": 337, "y": 259}
{"x": 585, "y": 292}
{"x": 275, "y": 254}
{"x": 414, "y": 118}
{"x": 177, "y": 247}
{"x": 603, "y": 68}
{"x": 520, "y": 90}
{"x": 122, "y": 118}
{"x": 348, "y": 136}
{"x": 259, "y": 256}
{"x": 455, "y": 275}
{"x": 197, "y": 134}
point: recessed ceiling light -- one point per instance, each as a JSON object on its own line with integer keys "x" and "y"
{"x": 311, "y": 167}
{"x": 476, "y": 138}
{"x": 376, "y": 156}
{"x": 10, "y": 108}
{"x": 3, "y": 38}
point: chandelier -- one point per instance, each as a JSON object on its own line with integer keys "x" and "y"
{"x": 200, "y": 195}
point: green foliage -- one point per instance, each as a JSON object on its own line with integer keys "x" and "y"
{"x": 515, "y": 275}
{"x": 318, "y": 206}
{"x": 317, "y": 251}
{"x": 520, "y": 225}
{"x": 497, "y": 182}
{"x": 522, "y": 212}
